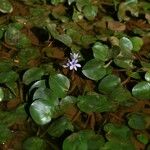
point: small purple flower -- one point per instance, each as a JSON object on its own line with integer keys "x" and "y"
{"x": 73, "y": 63}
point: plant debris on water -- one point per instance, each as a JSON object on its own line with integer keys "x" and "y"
{"x": 75, "y": 74}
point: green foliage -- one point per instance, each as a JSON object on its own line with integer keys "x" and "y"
{"x": 94, "y": 69}
{"x": 34, "y": 143}
{"x": 57, "y": 128}
{"x": 94, "y": 103}
{"x": 101, "y": 51}
{"x": 47, "y": 104}
{"x": 137, "y": 121}
{"x": 82, "y": 140}
{"x": 109, "y": 83}
{"x": 141, "y": 90}
{"x": 32, "y": 75}
{"x": 41, "y": 111}
{"x": 59, "y": 84}
{"x": 5, "y": 133}
{"x": 6, "y": 6}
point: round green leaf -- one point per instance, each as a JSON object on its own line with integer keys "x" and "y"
{"x": 109, "y": 83}
{"x": 141, "y": 90}
{"x": 59, "y": 84}
{"x": 90, "y": 12}
{"x": 57, "y": 128}
{"x": 137, "y": 43}
{"x": 5, "y": 6}
{"x": 100, "y": 51}
{"x": 34, "y": 143}
{"x": 94, "y": 69}
{"x": 9, "y": 76}
{"x": 1, "y": 94}
{"x": 126, "y": 45}
{"x": 93, "y": 103}
{"x": 147, "y": 76}
{"x": 83, "y": 140}
{"x": 32, "y": 74}
{"x": 137, "y": 121}
{"x": 41, "y": 111}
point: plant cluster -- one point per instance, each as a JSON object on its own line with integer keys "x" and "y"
{"x": 75, "y": 74}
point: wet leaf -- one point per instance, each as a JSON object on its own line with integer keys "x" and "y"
{"x": 83, "y": 140}
{"x": 59, "y": 84}
{"x": 101, "y": 51}
{"x": 109, "y": 83}
{"x": 136, "y": 121}
{"x": 81, "y": 3}
{"x": 41, "y": 111}
{"x": 94, "y": 69}
{"x": 58, "y": 127}
{"x": 32, "y": 74}
{"x": 94, "y": 103}
{"x": 141, "y": 90}
{"x": 34, "y": 143}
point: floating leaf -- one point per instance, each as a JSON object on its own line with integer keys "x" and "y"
{"x": 58, "y": 127}
{"x": 94, "y": 103}
{"x": 109, "y": 83}
{"x": 141, "y": 90}
{"x": 5, "y": 133}
{"x": 5, "y": 65}
{"x": 32, "y": 74}
{"x": 34, "y": 143}
{"x": 90, "y": 12}
{"x": 59, "y": 84}
{"x": 1, "y": 94}
{"x": 5, "y": 6}
{"x": 137, "y": 43}
{"x": 137, "y": 121}
{"x": 83, "y": 140}
{"x": 41, "y": 111}
{"x": 94, "y": 69}
{"x": 101, "y": 51}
